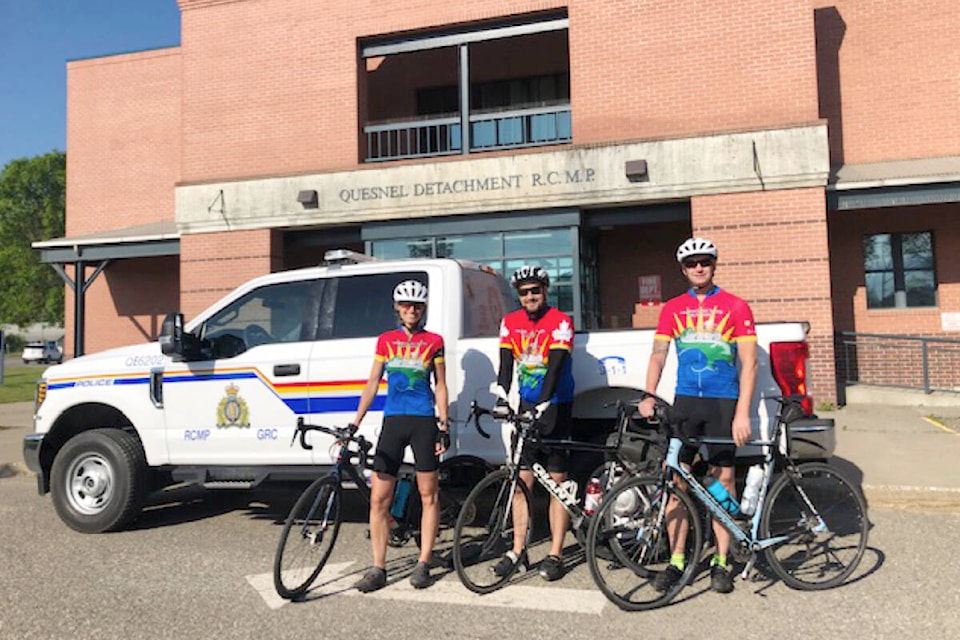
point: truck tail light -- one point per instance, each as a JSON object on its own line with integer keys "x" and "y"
{"x": 788, "y": 360}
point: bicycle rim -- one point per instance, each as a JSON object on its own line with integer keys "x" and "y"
{"x": 812, "y": 559}
{"x": 307, "y": 539}
{"x": 628, "y": 545}
{"x": 485, "y": 532}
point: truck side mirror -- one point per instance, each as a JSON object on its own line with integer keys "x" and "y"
{"x": 171, "y": 336}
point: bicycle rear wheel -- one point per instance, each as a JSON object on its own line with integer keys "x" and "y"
{"x": 307, "y": 539}
{"x": 484, "y": 532}
{"x": 631, "y": 526}
{"x": 814, "y": 556}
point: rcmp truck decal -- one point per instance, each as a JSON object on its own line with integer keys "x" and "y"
{"x": 309, "y": 397}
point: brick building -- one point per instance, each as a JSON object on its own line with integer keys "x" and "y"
{"x": 815, "y": 143}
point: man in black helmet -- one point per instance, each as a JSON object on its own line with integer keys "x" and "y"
{"x": 538, "y": 339}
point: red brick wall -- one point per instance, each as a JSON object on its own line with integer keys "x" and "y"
{"x": 272, "y": 87}
{"x": 847, "y": 229}
{"x": 214, "y": 264}
{"x": 888, "y": 73}
{"x": 773, "y": 253}
{"x": 126, "y": 303}
{"x": 123, "y": 140}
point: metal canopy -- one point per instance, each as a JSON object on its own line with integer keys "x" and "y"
{"x": 896, "y": 183}
{"x": 98, "y": 250}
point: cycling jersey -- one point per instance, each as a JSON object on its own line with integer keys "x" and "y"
{"x": 531, "y": 342}
{"x": 409, "y": 360}
{"x": 706, "y": 335}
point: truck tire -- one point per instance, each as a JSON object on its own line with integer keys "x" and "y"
{"x": 99, "y": 479}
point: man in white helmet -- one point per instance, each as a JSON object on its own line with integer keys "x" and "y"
{"x": 711, "y": 329}
{"x": 409, "y": 355}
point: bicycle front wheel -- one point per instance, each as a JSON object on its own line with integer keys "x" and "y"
{"x": 822, "y": 517}
{"x": 308, "y": 536}
{"x": 485, "y": 532}
{"x": 628, "y": 546}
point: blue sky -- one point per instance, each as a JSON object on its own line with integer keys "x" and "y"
{"x": 38, "y": 37}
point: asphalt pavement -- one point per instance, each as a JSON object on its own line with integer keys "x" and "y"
{"x": 903, "y": 456}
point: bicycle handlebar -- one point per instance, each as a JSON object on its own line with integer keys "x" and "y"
{"x": 342, "y": 434}
{"x": 522, "y": 419}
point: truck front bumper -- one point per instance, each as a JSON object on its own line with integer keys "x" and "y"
{"x": 31, "y": 456}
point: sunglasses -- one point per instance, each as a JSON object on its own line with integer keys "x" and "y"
{"x": 417, "y": 306}
{"x": 703, "y": 262}
{"x": 530, "y": 291}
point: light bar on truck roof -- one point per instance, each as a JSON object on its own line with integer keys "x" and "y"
{"x": 345, "y": 256}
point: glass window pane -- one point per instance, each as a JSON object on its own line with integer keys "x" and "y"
{"x": 399, "y": 249}
{"x": 877, "y": 254}
{"x": 472, "y": 247}
{"x": 879, "y": 290}
{"x": 921, "y": 289}
{"x": 917, "y": 251}
{"x": 539, "y": 242}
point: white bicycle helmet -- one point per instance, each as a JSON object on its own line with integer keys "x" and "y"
{"x": 696, "y": 247}
{"x": 410, "y": 291}
{"x": 530, "y": 273}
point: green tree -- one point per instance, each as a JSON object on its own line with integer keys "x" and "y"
{"x": 32, "y": 208}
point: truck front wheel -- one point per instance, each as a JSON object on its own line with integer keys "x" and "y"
{"x": 99, "y": 480}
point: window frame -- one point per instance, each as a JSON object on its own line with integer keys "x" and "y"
{"x": 899, "y": 271}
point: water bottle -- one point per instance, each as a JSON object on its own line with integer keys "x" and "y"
{"x": 400, "y": 495}
{"x": 718, "y": 491}
{"x": 570, "y": 486}
{"x": 751, "y": 490}
{"x": 591, "y": 502}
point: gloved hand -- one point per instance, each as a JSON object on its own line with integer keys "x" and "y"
{"x": 534, "y": 414}
{"x": 500, "y": 411}
{"x": 443, "y": 439}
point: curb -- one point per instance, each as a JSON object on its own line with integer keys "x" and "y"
{"x": 938, "y": 499}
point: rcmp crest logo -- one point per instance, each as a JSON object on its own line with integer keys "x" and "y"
{"x": 232, "y": 410}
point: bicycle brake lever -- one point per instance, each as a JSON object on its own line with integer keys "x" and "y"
{"x": 297, "y": 430}
{"x": 475, "y": 413}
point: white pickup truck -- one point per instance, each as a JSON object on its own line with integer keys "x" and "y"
{"x": 216, "y": 401}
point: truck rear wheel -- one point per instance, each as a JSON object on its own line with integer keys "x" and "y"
{"x": 99, "y": 480}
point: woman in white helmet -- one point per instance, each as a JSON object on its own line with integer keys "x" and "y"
{"x": 409, "y": 355}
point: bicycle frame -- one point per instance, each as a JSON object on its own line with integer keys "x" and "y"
{"x": 751, "y": 541}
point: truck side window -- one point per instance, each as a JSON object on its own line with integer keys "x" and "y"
{"x": 486, "y": 299}
{"x": 364, "y": 303}
{"x": 283, "y": 312}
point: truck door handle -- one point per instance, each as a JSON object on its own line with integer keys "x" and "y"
{"x": 286, "y": 369}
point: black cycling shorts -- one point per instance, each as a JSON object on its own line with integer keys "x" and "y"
{"x": 707, "y": 417}
{"x": 420, "y": 432}
{"x": 555, "y": 424}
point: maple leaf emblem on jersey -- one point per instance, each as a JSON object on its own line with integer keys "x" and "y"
{"x": 563, "y": 333}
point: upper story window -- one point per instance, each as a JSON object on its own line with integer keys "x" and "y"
{"x": 899, "y": 270}
{"x": 475, "y": 88}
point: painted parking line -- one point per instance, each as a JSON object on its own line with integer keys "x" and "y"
{"x": 333, "y": 582}
{"x": 940, "y": 425}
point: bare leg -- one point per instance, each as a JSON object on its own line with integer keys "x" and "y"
{"x": 727, "y": 478}
{"x": 521, "y": 513}
{"x": 428, "y": 484}
{"x": 559, "y": 519}
{"x": 381, "y": 495}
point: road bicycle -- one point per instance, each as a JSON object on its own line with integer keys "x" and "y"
{"x": 311, "y": 528}
{"x": 810, "y": 522}
{"x": 484, "y": 530}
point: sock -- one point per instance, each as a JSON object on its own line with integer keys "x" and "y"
{"x": 678, "y": 560}
{"x": 720, "y": 561}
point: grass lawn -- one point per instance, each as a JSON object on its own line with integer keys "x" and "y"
{"x": 19, "y": 383}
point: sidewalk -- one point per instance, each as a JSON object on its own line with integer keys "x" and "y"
{"x": 904, "y": 456}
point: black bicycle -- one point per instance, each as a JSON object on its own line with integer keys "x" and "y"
{"x": 484, "y": 531}
{"x": 311, "y": 528}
